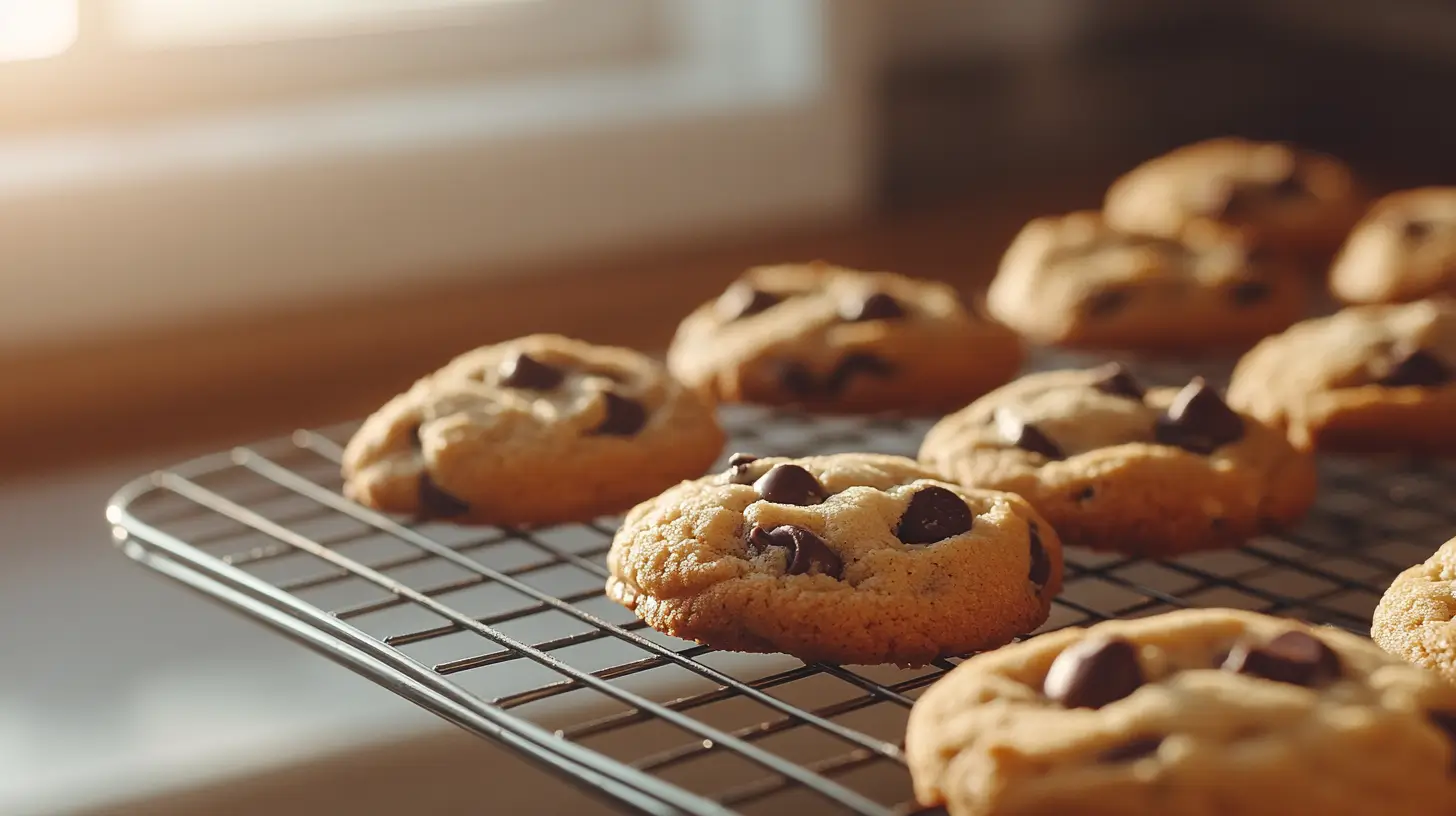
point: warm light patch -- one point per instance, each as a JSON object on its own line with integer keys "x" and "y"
{"x": 35, "y": 29}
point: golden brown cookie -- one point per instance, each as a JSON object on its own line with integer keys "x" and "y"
{"x": 1207, "y": 712}
{"x": 1404, "y": 249}
{"x": 1414, "y": 618}
{"x": 849, "y": 558}
{"x": 538, "y": 430}
{"x": 1075, "y": 281}
{"x": 1281, "y": 197}
{"x": 1114, "y": 466}
{"x": 834, "y": 339}
{"x": 1370, "y": 378}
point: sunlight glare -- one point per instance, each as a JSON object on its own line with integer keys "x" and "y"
{"x": 35, "y": 29}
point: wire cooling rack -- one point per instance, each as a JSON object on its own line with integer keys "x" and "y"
{"x": 507, "y": 633}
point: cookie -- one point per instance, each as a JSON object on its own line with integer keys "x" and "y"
{"x": 1281, "y": 197}
{"x": 834, "y": 339}
{"x": 1369, "y": 378}
{"x": 1404, "y": 249}
{"x": 538, "y": 430}
{"x": 1210, "y": 711}
{"x": 1414, "y": 618}
{"x": 849, "y": 558}
{"x": 1115, "y": 466}
{"x": 1075, "y": 281}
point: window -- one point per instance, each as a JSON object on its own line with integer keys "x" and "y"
{"x": 289, "y": 150}
{"x": 69, "y": 62}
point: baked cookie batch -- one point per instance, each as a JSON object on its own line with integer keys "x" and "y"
{"x": 866, "y": 558}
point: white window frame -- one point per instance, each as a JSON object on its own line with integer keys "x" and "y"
{"x": 754, "y": 114}
{"x": 106, "y": 77}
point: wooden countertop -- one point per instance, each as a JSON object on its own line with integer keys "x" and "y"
{"x": 230, "y": 382}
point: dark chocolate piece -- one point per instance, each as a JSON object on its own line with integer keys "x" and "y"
{"x": 934, "y": 514}
{"x": 1093, "y": 673}
{"x": 790, "y": 484}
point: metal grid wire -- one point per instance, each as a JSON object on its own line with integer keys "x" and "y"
{"x": 508, "y": 633}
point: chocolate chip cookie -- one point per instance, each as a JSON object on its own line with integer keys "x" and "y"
{"x": 538, "y": 430}
{"x": 850, "y": 558}
{"x": 1075, "y": 281}
{"x": 1211, "y": 711}
{"x": 1404, "y": 249}
{"x": 1281, "y": 197}
{"x": 1369, "y": 378}
{"x": 1116, "y": 466}
{"x": 835, "y": 339}
{"x": 1415, "y": 617}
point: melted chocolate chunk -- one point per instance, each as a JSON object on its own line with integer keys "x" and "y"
{"x": 436, "y": 503}
{"x": 807, "y": 552}
{"x": 1093, "y": 673}
{"x": 875, "y": 306}
{"x": 743, "y": 299}
{"x": 1293, "y": 657}
{"x": 521, "y": 370}
{"x": 934, "y": 514}
{"x": 1416, "y": 367}
{"x": 1026, "y": 436}
{"x": 1249, "y": 292}
{"x": 1289, "y": 186}
{"x": 1107, "y": 302}
{"x": 796, "y": 378}
{"x": 1133, "y": 750}
{"x": 739, "y": 471}
{"x": 1416, "y": 229}
{"x": 625, "y": 417}
{"x": 856, "y": 365}
{"x": 790, "y": 484}
{"x": 1115, "y": 379}
{"x": 1041, "y": 565}
{"x": 1199, "y": 420}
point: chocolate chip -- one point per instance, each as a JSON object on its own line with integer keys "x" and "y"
{"x": 790, "y": 484}
{"x": 1289, "y": 186}
{"x": 1093, "y": 673}
{"x": 625, "y": 417}
{"x": 1199, "y": 420}
{"x": 1129, "y": 751}
{"x": 1416, "y": 368}
{"x": 1026, "y": 436}
{"x": 807, "y": 552}
{"x": 1249, "y": 292}
{"x": 796, "y": 378}
{"x": 1446, "y": 722}
{"x": 1293, "y": 657}
{"x": 875, "y": 306}
{"x": 1115, "y": 379}
{"x": 1106, "y": 302}
{"x": 934, "y": 514}
{"x": 521, "y": 370}
{"x": 739, "y": 471}
{"x": 1417, "y": 229}
{"x": 1041, "y": 565}
{"x": 743, "y": 299}
{"x": 855, "y": 365}
{"x": 1086, "y": 493}
{"x": 436, "y": 503}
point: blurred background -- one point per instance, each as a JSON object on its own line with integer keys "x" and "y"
{"x": 222, "y": 219}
